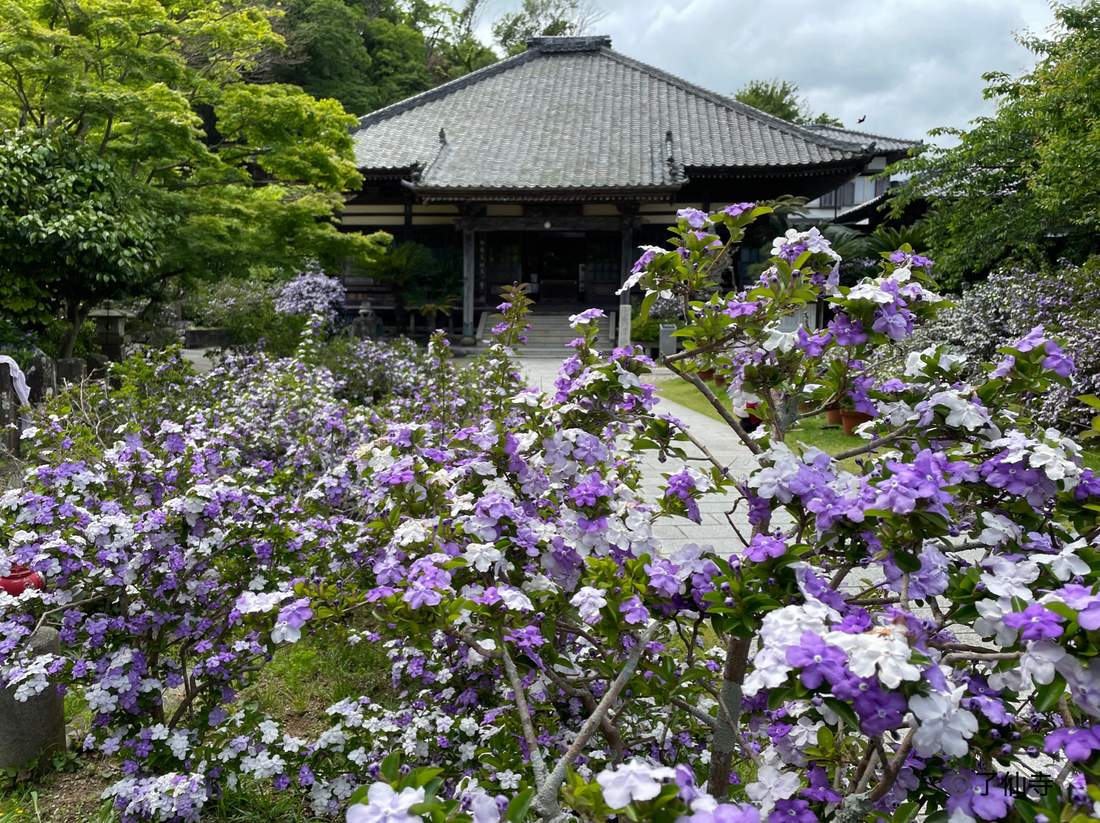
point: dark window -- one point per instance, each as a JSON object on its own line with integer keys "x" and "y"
{"x": 603, "y": 259}
{"x": 882, "y": 185}
{"x": 843, "y": 196}
{"x": 502, "y": 260}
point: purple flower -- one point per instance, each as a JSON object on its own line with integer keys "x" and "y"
{"x": 1037, "y": 621}
{"x": 1033, "y": 339}
{"x": 792, "y": 811}
{"x": 1057, "y": 361}
{"x": 662, "y": 577}
{"x": 847, "y": 332}
{"x": 763, "y": 548}
{"x": 738, "y": 208}
{"x": 586, "y": 316}
{"x": 1078, "y": 744}
{"x": 634, "y": 611}
{"x": 296, "y": 614}
{"x": 879, "y": 710}
{"x": 696, "y": 219}
{"x": 817, "y": 660}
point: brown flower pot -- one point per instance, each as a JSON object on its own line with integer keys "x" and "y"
{"x": 833, "y": 416}
{"x": 851, "y": 419}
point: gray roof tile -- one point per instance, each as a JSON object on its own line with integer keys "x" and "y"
{"x": 864, "y": 139}
{"x": 572, "y": 113}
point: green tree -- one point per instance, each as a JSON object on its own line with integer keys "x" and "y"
{"x": 402, "y": 266}
{"x": 399, "y": 67}
{"x": 545, "y": 18}
{"x": 73, "y": 231}
{"x": 779, "y": 98}
{"x": 371, "y": 57}
{"x": 245, "y": 174}
{"x": 328, "y": 55}
{"x": 1020, "y": 185}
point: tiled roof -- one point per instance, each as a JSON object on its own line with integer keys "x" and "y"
{"x": 571, "y": 113}
{"x": 865, "y": 140}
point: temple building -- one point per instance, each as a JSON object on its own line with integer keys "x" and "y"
{"x": 551, "y": 167}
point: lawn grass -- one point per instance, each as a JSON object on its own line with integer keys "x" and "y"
{"x": 812, "y": 431}
{"x": 295, "y": 688}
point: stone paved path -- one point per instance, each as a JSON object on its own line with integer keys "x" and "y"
{"x": 674, "y": 532}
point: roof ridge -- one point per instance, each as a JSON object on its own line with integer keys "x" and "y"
{"x": 816, "y": 126}
{"x": 728, "y": 102}
{"x": 438, "y": 92}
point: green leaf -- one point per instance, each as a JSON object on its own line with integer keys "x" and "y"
{"x": 517, "y": 809}
{"x": 391, "y": 767}
{"x": 906, "y": 812}
{"x": 1047, "y": 697}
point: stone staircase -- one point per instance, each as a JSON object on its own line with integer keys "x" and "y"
{"x": 550, "y": 333}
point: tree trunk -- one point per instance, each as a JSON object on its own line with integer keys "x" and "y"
{"x": 75, "y": 313}
{"x": 401, "y": 317}
{"x": 725, "y": 743}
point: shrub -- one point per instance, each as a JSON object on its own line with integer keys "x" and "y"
{"x": 880, "y": 640}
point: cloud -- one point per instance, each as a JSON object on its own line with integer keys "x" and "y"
{"x": 907, "y": 65}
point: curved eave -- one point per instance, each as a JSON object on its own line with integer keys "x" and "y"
{"x": 855, "y": 164}
{"x": 433, "y": 194}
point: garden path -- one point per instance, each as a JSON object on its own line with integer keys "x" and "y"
{"x": 674, "y": 532}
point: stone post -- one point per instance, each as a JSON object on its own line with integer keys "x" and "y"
{"x": 36, "y": 727}
{"x": 41, "y": 377}
{"x": 10, "y": 427}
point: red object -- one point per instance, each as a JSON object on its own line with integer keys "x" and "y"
{"x": 19, "y": 579}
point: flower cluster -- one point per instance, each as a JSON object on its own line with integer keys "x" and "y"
{"x": 914, "y": 612}
{"x": 312, "y": 292}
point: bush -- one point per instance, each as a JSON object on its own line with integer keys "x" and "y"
{"x": 1064, "y": 300}
{"x": 246, "y": 309}
{"x": 878, "y": 642}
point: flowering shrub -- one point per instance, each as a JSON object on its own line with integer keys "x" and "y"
{"x": 1064, "y": 300}
{"x": 312, "y": 292}
{"x": 882, "y": 642}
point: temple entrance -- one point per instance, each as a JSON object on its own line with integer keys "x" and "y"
{"x": 555, "y": 263}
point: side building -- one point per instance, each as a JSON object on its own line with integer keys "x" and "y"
{"x": 551, "y": 167}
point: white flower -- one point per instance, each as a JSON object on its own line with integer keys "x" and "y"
{"x": 772, "y": 785}
{"x": 1008, "y": 579}
{"x": 1066, "y": 563}
{"x": 885, "y": 649}
{"x": 870, "y": 291}
{"x": 962, "y": 413}
{"x": 916, "y": 362}
{"x": 384, "y": 805}
{"x": 1039, "y": 661}
{"x": 508, "y": 779}
{"x": 636, "y": 780}
{"x": 482, "y": 556}
{"x": 991, "y": 621}
{"x": 943, "y": 725}
{"x": 783, "y": 341}
{"x": 769, "y": 671}
{"x": 515, "y": 599}
{"x": 998, "y": 529}
{"x": 589, "y": 600}
{"x": 283, "y": 632}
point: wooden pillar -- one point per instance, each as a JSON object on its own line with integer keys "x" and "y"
{"x": 626, "y": 264}
{"x": 468, "y": 286}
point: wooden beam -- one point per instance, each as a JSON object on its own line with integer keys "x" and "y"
{"x": 468, "y": 274}
{"x": 576, "y": 223}
{"x": 625, "y": 265}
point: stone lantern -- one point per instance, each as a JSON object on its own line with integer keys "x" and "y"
{"x": 110, "y": 329}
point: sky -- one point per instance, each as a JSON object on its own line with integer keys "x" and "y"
{"x": 908, "y": 66}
